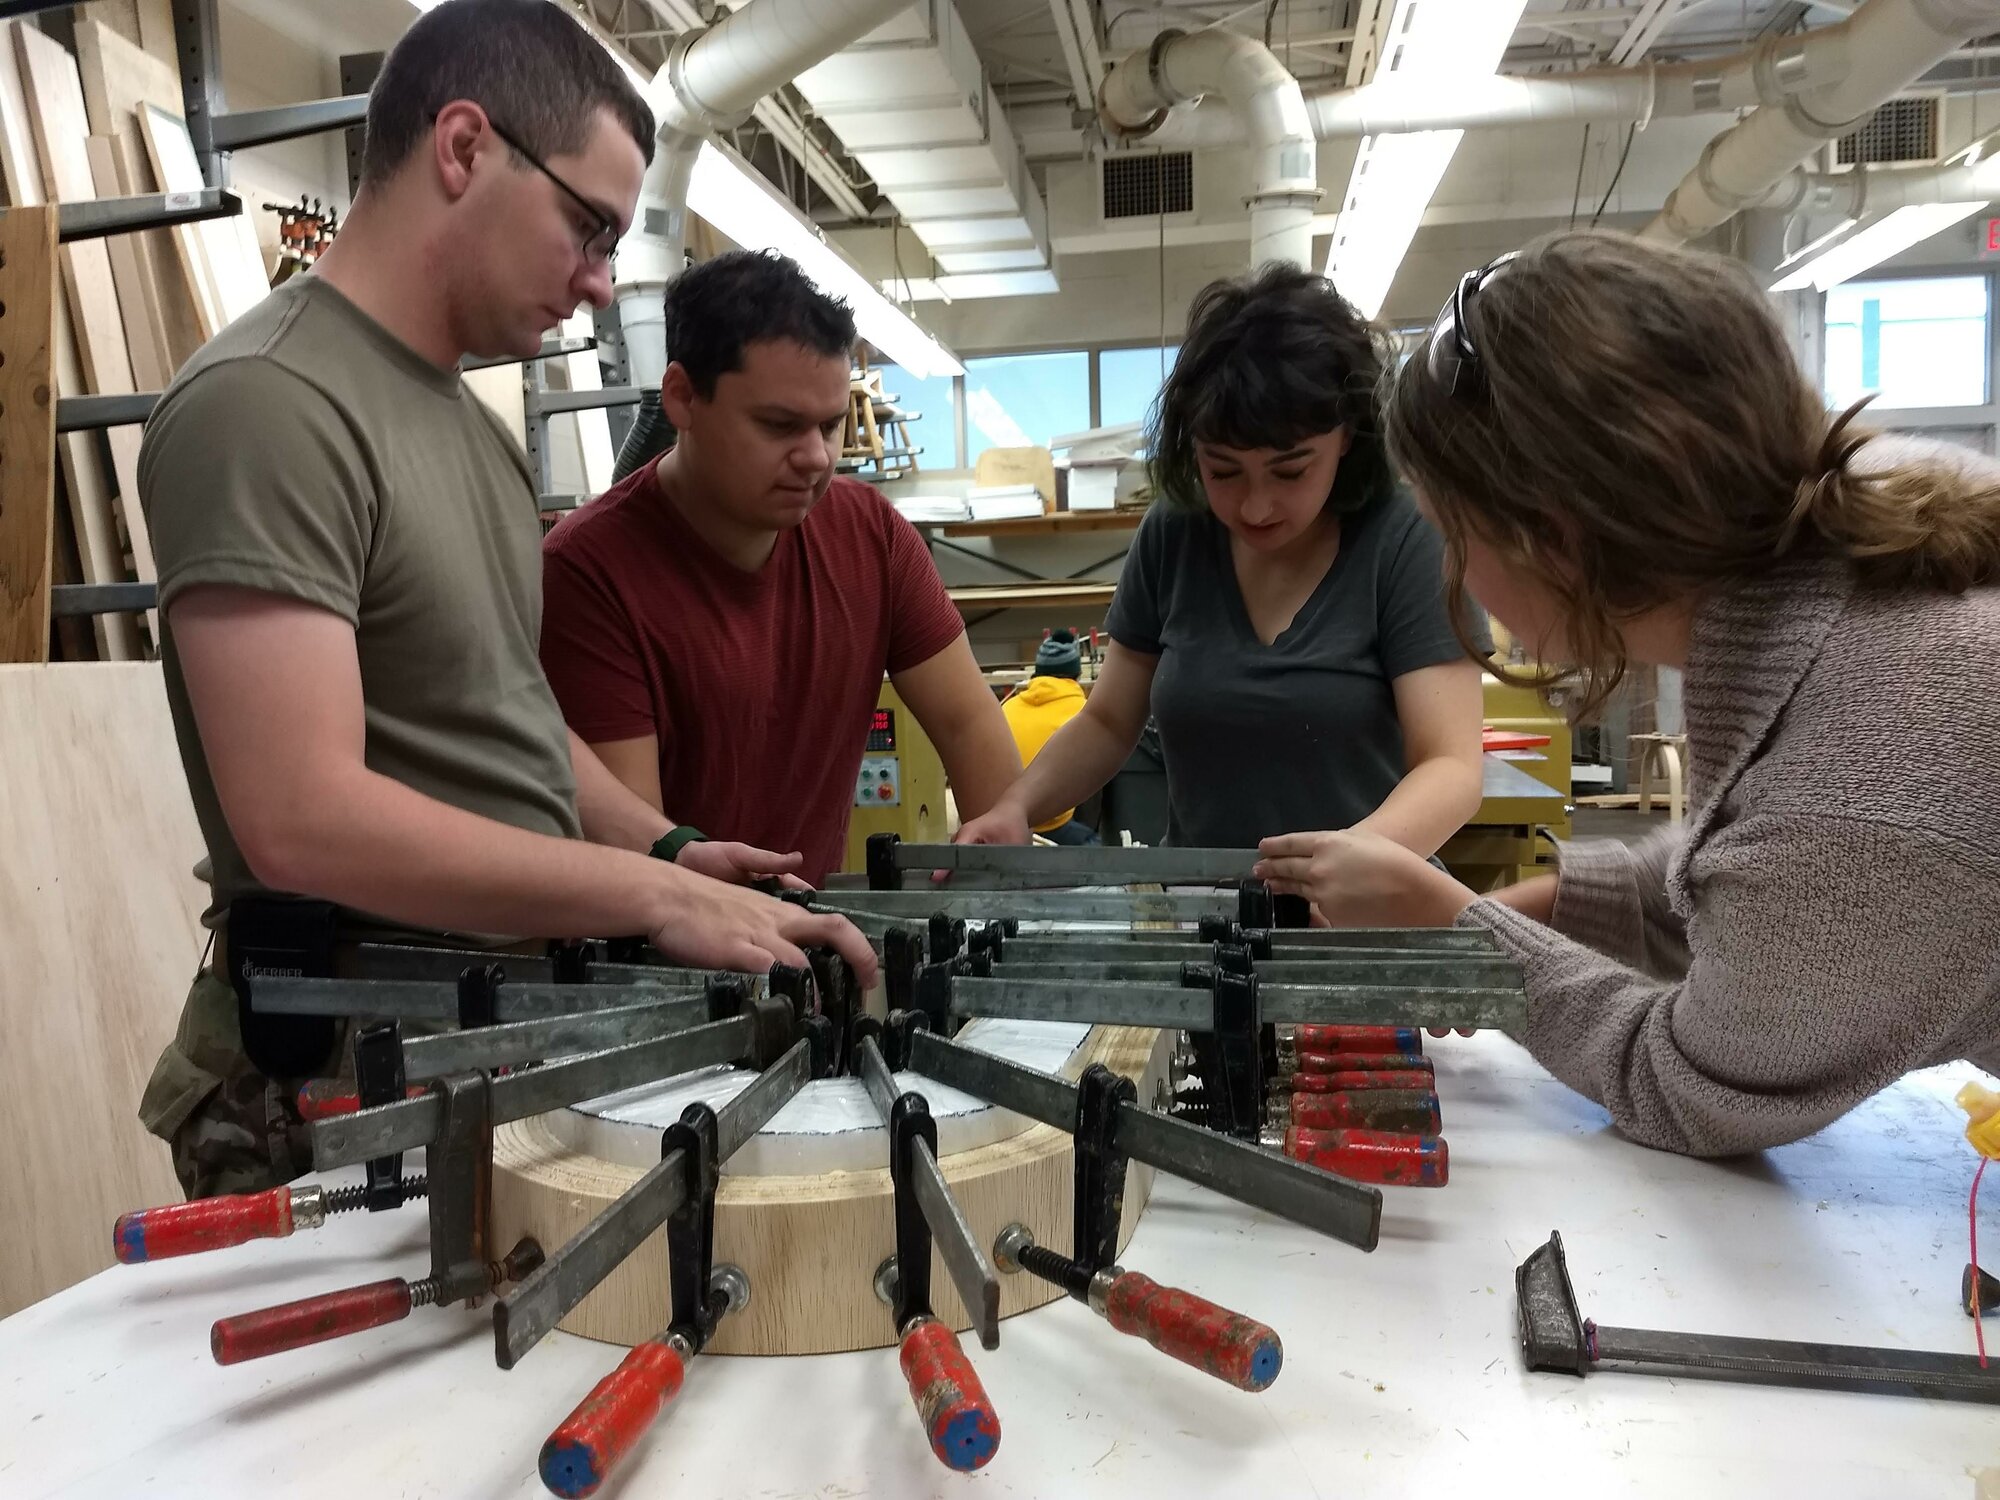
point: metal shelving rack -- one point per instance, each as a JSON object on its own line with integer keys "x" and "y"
{"x": 216, "y": 131}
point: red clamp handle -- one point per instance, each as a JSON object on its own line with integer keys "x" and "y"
{"x": 1407, "y": 1110}
{"x": 310, "y": 1320}
{"x": 1373, "y": 1156}
{"x": 1408, "y": 1040}
{"x": 1216, "y": 1341}
{"x": 1370, "y": 1062}
{"x": 323, "y": 1098}
{"x": 1351, "y": 1079}
{"x": 581, "y": 1453}
{"x": 958, "y": 1418}
{"x": 208, "y": 1224}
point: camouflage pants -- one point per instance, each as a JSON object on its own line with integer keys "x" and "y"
{"x": 232, "y": 1129}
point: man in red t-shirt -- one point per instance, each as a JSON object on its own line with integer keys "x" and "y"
{"x": 716, "y": 625}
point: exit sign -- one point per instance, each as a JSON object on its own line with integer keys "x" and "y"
{"x": 1989, "y": 240}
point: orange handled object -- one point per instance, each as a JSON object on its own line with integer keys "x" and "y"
{"x": 1373, "y": 1156}
{"x": 1232, "y": 1348}
{"x": 581, "y": 1453}
{"x": 1405, "y": 1039}
{"x": 310, "y": 1320}
{"x": 1354, "y": 1079}
{"x": 323, "y": 1098}
{"x": 957, "y": 1416}
{"x": 1367, "y": 1109}
{"x": 1369, "y": 1062}
{"x": 207, "y": 1224}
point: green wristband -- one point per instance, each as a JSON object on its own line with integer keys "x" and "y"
{"x": 669, "y": 845}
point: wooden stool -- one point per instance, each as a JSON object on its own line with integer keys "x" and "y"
{"x": 1667, "y": 754}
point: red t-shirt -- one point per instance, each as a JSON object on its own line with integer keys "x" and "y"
{"x": 760, "y": 686}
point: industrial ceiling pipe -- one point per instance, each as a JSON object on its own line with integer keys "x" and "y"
{"x": 1140, "y": 91}
{"x": 1766, "y": 74}
{"x": 1892, "y": 44}
{"x": 710, "y": 82}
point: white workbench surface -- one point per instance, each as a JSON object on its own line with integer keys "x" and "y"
{"x": 1402, "y": 1371}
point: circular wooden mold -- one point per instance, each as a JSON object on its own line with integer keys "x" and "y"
{"x": 802, "y": 1209}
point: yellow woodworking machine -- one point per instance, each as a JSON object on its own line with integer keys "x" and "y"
{"x": 901, "y": 785}
{"x": 1525, "y": 800}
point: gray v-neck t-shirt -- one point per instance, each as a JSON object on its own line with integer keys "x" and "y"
{"x": 1300, "y": 734}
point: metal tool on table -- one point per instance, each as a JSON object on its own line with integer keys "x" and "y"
{"x": 454, "y": 1118}
{"x": 959, "y": 1420}
{"x": 1234, "y": 1349}
{"x": 1556, "y": 1337}
{"x": 679, "y": 1192}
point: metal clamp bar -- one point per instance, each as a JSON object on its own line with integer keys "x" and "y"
{"x": 91, "y": 217}
{"x": 234, "y": 129}
{"x": 1397, "y": 972}
{"x": 1033, "y": 906}
{"x": 346, "y": 1139}
{"x": 1084, "y": 865}
{"x": 1306, "y": 1195}
{"x": 548, "y": 403}
{"x": 437, "y": 1000}
{"x": 524, "y": 1317}
{"x": 971, "y": 1269}
{"x": 1178, "y": 1009}
{"x": 505, "y": 1045}
{"x": 1286, "y": 943}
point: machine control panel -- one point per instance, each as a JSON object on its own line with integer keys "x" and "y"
{"x": 880, "y": 783}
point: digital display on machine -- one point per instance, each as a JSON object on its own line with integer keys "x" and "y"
{"x": 882, "y": 730}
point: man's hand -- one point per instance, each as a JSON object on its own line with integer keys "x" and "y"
{"x": 1361, "y": 880}
{"x": 713, "y": 925}
{"x": 740, "y": 864}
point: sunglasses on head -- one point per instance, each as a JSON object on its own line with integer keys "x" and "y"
{"x": 1465, "y": 361}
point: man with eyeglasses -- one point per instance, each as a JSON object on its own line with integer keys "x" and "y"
{"x": 350, "y": 579}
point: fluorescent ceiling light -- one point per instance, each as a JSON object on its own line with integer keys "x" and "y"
{"x": 1876, "y": 243}
{"x": 1433, "y": 44}
{"x": 729, "y": 194}
{"x": 972, "y": 286}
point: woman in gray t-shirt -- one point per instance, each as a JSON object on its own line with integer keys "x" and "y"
{"x": 1282, "y": 614}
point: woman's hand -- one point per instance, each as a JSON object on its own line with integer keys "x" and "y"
{"x": 1004, "y": 824}
{"x": 1360, "y": 879}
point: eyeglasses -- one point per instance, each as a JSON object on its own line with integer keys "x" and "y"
{"x": 600, "y": 245}
{"x": 1467, "y": 355}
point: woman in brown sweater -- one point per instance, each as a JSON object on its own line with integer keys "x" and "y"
{"x": 1629, "y": 468}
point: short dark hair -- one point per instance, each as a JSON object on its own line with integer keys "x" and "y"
{"x": 1268, "y": 361}
{"x": 748, "y": 297}
{"x": 524, "y": 62}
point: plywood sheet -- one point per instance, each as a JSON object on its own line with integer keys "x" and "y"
{"x": 145, "y": 334}
{"x": 27, "y": 431}
{"x": 85, "y": 479}
{"x": 237, "y": 284}
{"x": 62, "y": 130}
{"x": 100, "y": 921}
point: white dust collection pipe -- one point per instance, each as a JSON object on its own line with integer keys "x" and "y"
{"x": 1766, "y": 74}
{"x": 1880, "y": 190}
{"x": 1892, "y": 44}
{"x": 711, "y": 80}
{"x": 1178, "y": 67}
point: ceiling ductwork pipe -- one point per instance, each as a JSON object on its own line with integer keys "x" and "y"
{"x": 1262, "y": 98}
{"x": 1767, "y": 74}
{"x": 1891, "y": 44}
{"x": 710, "y": 82}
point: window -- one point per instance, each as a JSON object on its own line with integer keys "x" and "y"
{"x": 1919, "y": 343}
{"x": 935, "y": 428}
{"x": 1128, "y": 380}
{"x": 1024, "y": 400}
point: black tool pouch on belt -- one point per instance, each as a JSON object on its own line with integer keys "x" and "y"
{"x": 282, "y": 935}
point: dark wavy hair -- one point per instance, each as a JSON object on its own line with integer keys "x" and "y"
{"x": 1270, "y": 360}
{"x": 717, "y": 309}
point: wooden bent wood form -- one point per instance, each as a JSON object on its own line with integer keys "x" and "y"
{"x": 811, "y": 1244}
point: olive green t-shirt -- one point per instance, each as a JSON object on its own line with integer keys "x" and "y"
{"x": 306, "y": 452}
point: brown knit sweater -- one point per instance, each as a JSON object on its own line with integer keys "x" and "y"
{"x": 1829, "y": 919}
